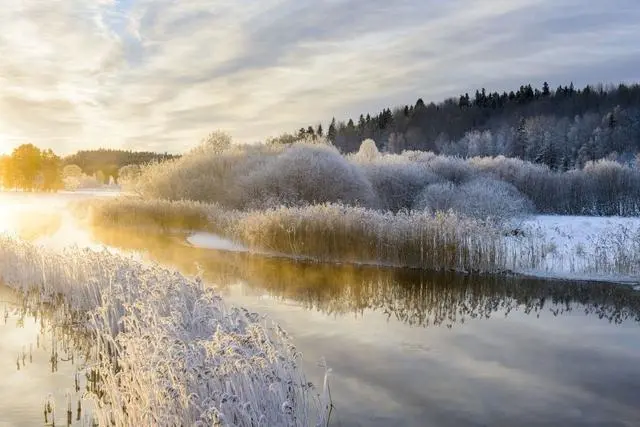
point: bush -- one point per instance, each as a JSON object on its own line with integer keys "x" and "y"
{"x": 440, "y": 197}
{"x": 306, "y": 174}
{"x": 396, "y": 180}
{"x": 490, "y": 198}
{"x": 243, "y": 177}
{"x": 483, "y": 198}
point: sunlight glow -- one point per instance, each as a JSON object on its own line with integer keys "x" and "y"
{"x": 4, "y": 146}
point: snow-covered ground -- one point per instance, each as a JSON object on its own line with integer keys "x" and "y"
{"x": 580, "y": 247}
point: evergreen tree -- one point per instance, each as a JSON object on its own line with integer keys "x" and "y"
{"x": 332, "y": 132}
{"x": 311, "y": 133}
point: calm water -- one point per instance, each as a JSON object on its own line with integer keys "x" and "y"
{"x": 405, "y": 347}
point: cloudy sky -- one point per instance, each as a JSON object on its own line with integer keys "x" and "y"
{"x": 160, "y": 74}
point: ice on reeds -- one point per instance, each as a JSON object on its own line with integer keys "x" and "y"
{"x": 166, "y": 350}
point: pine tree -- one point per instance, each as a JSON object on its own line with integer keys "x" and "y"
{"x": 520, "y": 141}
{"x": 545, "y": 89}
{"x": 332, "y": 132}
{"x": 361, "y": 125}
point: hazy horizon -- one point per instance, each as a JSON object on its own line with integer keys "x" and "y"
{"x": 159, "y": 75}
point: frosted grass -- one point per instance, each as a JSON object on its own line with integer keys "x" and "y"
{"x": 607, "y": 249}
{"x": 167, "y": 350}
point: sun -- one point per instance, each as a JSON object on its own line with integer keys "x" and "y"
{"x": 5, "y": 146}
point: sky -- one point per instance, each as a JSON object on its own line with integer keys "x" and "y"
{"x": 161, "y": 74}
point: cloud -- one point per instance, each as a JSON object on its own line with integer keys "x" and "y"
{"x": 160, "y": 74}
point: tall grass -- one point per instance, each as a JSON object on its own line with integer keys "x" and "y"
{"x": 168, "y": 350}
{"x": 163, "y": 214}
{"x": 332, "y": 232}
{"x": 339, "y": 233}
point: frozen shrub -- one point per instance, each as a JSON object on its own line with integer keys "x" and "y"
{"x": 483, "y": 198}
{"x": 490, "y": 198}
{"x": 127, "y": 176}
{"x": 215, "y": 143}
{"x": 307, "y": 173}
{"x": 419, "y": 156}
{"x": 242, "y": 177}
{"x": 398, "y": 181}
{"x": 313, "y": 171}
{"x": 205, "y": 174}
{"x": 368, "y": 151}
{"x": 452, "y": 169}
{"x": 440, "y": 197}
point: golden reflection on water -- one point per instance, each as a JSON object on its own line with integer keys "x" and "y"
{"x": 28, "y": 221}
{"x": 410, "y": 296}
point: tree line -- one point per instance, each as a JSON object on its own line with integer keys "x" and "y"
{"x": 563, "y": 128}
{"x": 109, "y": 162}
{"x": 30, "y": 168}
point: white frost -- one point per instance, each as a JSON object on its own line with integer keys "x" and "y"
{"x": 582, "y": 247}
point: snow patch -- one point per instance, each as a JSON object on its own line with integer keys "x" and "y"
{"x": 581, "y": 247}
{"x": 204, "y": 240}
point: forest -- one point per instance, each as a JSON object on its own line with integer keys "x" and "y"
{"x": 562, "y": 128}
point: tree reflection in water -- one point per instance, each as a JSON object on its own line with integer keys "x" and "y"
{"x": 414, "y": 297}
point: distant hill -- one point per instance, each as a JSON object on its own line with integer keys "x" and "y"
{"x": 110, "y": 161}
{"x": 563, "y": 127}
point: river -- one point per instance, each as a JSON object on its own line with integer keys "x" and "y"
{"x": 406, "y": 347}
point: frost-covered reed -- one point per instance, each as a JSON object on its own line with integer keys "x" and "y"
{"x": 340, "y": 233}
{"x": 333, "y": 232}
{"x": 167, "y": 350}
{"x": 421, "y": 239}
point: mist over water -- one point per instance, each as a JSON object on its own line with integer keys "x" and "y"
{"x": 406, "y": 347}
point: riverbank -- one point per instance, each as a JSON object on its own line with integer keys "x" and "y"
{"x": 559, "y": 247}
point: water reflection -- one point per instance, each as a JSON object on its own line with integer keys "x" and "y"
{"x": 43, "y": 375}
{"x": 414, "y": 297}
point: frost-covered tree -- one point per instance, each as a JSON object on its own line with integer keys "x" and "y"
{"x": 396, "y": 143}
{"x": 215, "y": 142}
{"x": 368, "y": 151}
